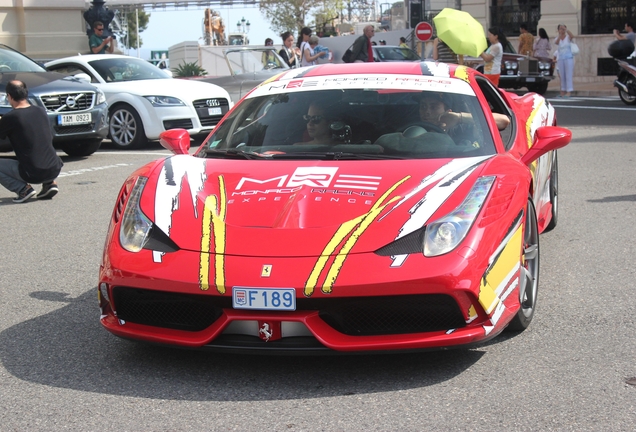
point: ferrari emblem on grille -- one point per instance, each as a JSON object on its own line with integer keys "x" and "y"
{"x": 265, "y": 333}
{"x": 266, "y": 271}
{"x": 212, "y": 102}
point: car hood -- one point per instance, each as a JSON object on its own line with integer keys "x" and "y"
{"x": 182, "y": 89}
{"x": 45, "y": 82}
{"x": 283, "y": 208}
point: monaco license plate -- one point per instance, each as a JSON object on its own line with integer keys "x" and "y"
{"x": 215, "y": 111}
{"x": 74, "y": 119}
{"x": 283, "y": 299}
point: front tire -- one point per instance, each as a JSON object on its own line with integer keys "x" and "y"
{"x": 539, "y": 88}
{"x": 81, "y": 148}
{"x": 125, "y": 128}
{"x": 529, "y": 273}
{"x": 554, "y": 194}
{"x": 626, "y": 97}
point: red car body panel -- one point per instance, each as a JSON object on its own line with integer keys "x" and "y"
{"x": 249, "y": 223}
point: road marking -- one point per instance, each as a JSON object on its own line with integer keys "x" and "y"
{"x": 92, "y": 169}
{"x": 595, "y": 108}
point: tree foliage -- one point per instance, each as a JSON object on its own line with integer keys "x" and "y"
{"x": 186, "y": 69}
{"x": 289, "y": 15}
{"x": 129, "y": 39}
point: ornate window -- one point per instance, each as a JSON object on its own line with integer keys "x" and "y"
{"x": 510, "y": 14}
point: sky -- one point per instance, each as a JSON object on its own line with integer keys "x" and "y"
{"x": 172, "y": 27}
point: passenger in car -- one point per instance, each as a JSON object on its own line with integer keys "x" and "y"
{"x": 319, "y": 118}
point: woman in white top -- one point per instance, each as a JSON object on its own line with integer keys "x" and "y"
{"x": 308, "y": 58}
{"x": 494, "y": 54}
{"x": 565, "y": 59}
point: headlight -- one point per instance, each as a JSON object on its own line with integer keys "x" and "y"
{"x": 101, "y": 97}
{"x": 507, "y": 65}
{"x": 163, "y": 101}
{"x": 4, "y": 102}
{"x": 514, "y": 65}
{"x": 135, "y": 225}
{"x": 443, "y": 235}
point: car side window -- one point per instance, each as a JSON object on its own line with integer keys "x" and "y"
{"x": 498, "y": 106}
{"x": 71, "y": 70}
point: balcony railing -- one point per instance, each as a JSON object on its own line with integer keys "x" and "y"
{"x": 603, "y": 16}
{"x": 509, "y": 18}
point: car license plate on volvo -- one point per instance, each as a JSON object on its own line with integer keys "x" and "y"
{"x": 281, "y": 299}
{"x": 74, "y": 119}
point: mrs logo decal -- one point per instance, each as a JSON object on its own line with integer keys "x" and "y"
{"x": 315, "y": 177}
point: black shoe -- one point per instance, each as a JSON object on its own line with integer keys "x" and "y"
{"x": 49, "y": 190}
{"x": 25, "y": 194}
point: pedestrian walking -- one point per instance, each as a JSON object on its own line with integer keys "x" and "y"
{"x": 542, "y": 46}
{"x": 28, "y": 130}
{"x": 308, "y": 57}
{"x": 526, "y": 41}
{"x": 494, "y": 54}
{"x": 362, "y": 49}
{"x": 442, "y": 52}
{"x": 303, "y": 37}
{"x": 565, "y": 60}
{"x": 403, "y": 42}
{"x": 289, "y": 53}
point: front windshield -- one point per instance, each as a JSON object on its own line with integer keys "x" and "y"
{"x": 254, "y": 60}
{"x": 11, "y": 61}
{"x": 123, "y": 68}
{"x": 374, "y": 123}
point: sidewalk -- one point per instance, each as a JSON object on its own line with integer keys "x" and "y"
{"x": 602, "y": 86}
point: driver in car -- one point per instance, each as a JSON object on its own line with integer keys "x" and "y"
{"x": 433, "y": 109}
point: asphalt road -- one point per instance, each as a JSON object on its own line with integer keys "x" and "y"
{"x": 59, "y": 370}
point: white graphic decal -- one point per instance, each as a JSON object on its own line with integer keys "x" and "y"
{"x": 312, "y": 176}
{"x": 358, "y": 182}
{"x": 449, "y": 177}
{"x": 169, "y": 185}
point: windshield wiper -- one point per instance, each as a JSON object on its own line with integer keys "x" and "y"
{"x": 334, "y": 156}
{"x": 236, "y": 154}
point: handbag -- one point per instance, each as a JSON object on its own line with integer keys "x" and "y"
{"x": 574, "y": 48}
{"x": 348, "y": 55}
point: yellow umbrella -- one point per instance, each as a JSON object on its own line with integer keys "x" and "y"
{"x": 461, "y": 32}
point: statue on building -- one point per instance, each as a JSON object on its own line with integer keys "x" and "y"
{"x": 98, "y": 12}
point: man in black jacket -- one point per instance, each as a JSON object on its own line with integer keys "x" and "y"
{"x": 362, "y": 50}
{"x": 28, "y": 130}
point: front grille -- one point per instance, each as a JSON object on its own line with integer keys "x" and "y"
{"x": 189, "y": 312}
{"x": 218, "y": 102}
{"x": 393, "y": 315}
{"x": 366, "y": 316}
{"x": 68, "y": 102}
{"x": 177, "y": 124}
{"x": 203, "y": 106}
{"x": 68, "y": 130}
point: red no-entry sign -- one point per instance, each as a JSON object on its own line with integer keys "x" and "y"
{"x": 423, "y": 31}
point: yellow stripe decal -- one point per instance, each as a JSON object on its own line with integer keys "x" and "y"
{"x": 214, "y": 213}
{"x": 362, "y": 222}
{"x": 498, "y": 272}
{"x": 529, "y": 130}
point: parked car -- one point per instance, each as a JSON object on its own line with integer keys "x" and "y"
{"x": 145, "y": 100}
{"x": 386, "y": 53}
{"x": 77, "y": 111}
{"x": 519, "y": 70}
{"x": 324, "y": 215}
{"x": 246, "y": 68}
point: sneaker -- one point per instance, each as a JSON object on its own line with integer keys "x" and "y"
{"x": 25, "y": 194}
{"x": 49, "y": 190}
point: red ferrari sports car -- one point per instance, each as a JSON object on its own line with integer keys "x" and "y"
{"x": 340, "y": 208}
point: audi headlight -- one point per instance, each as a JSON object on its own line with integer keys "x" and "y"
{"x": 164, "y": 101}
{"x": 443, "y": 235}
{"x": 135, "y": 225}
{"x": 101, "y": 97}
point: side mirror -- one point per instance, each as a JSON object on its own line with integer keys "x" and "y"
{"x": 547, "y": 138}
{"x": 175, "y": 140}
{"x": 83, "y": 77}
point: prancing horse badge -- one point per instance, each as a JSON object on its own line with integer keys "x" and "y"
{"x": 266, "y": 271}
